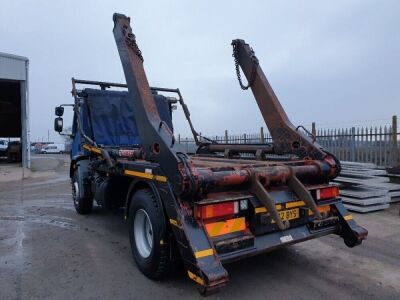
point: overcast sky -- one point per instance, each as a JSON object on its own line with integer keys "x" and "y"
{"x": 335, "y": 63}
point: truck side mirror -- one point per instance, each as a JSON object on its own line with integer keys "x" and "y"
{"x": 59, "y": 111}
{"x": 58, "y": 124}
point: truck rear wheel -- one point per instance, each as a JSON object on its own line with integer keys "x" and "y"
{"x": 148, "y": 235}
{"x": 83, "y": 205}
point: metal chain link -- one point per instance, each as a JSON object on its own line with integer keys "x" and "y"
{"x": 130, "y": 39}
{"x": 235, "y": 55}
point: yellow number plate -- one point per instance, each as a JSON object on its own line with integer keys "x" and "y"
{"x": 290, "y": 214}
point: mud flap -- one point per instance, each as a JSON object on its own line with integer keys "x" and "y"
{"x": 200, "y": 258}
{"x": 201, "y": 261}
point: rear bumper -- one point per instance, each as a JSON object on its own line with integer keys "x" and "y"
{"x": 344, "y": 226}
{"x": 275, "y": 240}
{"x": 207, "y": 268}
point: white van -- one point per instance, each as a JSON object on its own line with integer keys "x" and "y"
{"x": 3, "y": 147}
{"x": 53, "y": 148}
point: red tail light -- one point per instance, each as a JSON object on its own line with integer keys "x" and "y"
{"x": 217, "y": 210}
{"x": 328, "y": 192}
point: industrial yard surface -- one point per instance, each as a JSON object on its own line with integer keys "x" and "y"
{"x": 48, "y": 251}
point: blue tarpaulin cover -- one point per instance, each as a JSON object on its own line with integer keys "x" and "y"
{"x": 112, "y": 118}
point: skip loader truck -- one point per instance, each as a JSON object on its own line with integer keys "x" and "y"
{"x": 216, "y": 204}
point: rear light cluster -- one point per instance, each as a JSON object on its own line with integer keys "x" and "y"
{"x": 327, "y": 193}
{"x": 223, "y": 218}
{"x": 217, "y": 210}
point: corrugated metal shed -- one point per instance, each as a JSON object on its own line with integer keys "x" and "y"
{"x": 15, "y": 68}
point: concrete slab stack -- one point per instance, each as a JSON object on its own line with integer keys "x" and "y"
{"x": 364, "y": 187}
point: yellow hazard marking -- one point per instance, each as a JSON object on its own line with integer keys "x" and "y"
{"x": 145, "y": 175}
{"x": 259, "y": 210}
{"x": 175, "y": 223}
{"x": 204, "y": 253}
{"x": 92, "y": 149}
{"x": 196, "y": 278}
{"x": 262, "y": 209}
{"x": 224, "y": 227}
{"x": 215, "y": 229}
{"x": 295, "y": 204}
{"x": 348, "y": 217}
{"x": 160, "y": 178}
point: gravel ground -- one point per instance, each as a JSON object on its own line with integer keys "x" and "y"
{"x": 48, "y": 251}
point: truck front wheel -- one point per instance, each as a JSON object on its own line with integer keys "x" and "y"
{"x": 83, "y": 205}
{"x": 148, "y": 235}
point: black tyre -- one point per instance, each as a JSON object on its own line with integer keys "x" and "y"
{"x": 148, "y": 235}
{"x": 83, "y": 205}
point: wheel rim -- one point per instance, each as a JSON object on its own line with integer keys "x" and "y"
{"x": 75, "y": 192}
{"x": 143, "y": 233}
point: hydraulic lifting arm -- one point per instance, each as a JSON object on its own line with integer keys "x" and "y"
{"x": 157, "y": 138}
{"x": 286, "y": 137}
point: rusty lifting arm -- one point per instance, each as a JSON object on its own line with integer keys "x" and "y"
{"x": 286, "y": 137}
{"x": 156, "y": 137}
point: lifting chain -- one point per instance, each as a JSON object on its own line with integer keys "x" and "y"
{"x": 253, "y": 72}
{"x": 130, "y": 39}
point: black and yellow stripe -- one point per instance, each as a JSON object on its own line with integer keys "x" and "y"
{"x": 145, "y": 175}
{"x": 92, "y": 149}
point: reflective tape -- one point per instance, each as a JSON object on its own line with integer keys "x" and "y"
{"x": 145, "y": 175}
{"x": 294, "y": 204}
{"x": 195, "y": 278}
{"x": 204, "y": 253}
{"x": 262, "y": 209}
{"x": 348, "y": 217}
{"x": 175, "y": 223}
{"x": 92, "y": 149}
{"x": 224, "y": 227}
